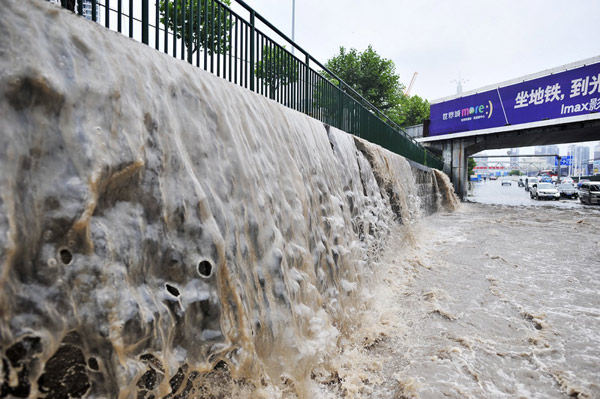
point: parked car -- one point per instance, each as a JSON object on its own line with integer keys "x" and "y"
{"x": 567, "y": 180}
{"x": 493, "y": 177}
{"x": 530, "y": 181}
{"x": 544, "y": 190}
{"x": 506, "y": 182}
{"x": 567, "y": 190}
{"x": 589, "y": 193}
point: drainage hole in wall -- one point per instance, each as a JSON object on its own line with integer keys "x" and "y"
{"x": 204, "y": 268}
{"x": 172, "y": 290}
{"x": 65, "y": 256}
{"x": 93, "y": 363}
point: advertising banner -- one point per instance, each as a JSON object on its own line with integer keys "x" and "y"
{"x": 596, "y": 168}
{"x": 562, "y": 94}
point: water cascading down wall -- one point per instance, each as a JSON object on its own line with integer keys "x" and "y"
{"x": 159, "y": 225}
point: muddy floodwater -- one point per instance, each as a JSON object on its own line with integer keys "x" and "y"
{"x": 490, "y": 301}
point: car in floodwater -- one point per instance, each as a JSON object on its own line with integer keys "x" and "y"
{"x": 567, "y": 190}
{"x": 521, "y": 182}
{"x": 529, "y": 182}
{"x": 544, "y": 191}
{"x": 589, "y": 193}
{"x": 506, "y": 182}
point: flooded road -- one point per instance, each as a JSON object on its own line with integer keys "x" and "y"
{"x": 490, "y": 301}
{"x": 493, "y": 192}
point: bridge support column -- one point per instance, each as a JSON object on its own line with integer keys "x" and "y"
{"x": 454, "y": 155}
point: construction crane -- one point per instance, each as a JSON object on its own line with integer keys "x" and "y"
{"x": 412, "y": 82}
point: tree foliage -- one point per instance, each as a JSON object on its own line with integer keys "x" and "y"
{"x": 207, "y": 23}
{"x": 471, "y": 165}
{"x": 413, "y": 110}
{"x": 375, "y": 78}
{"x": 276, "y": 68}
{"x": 372, "y": 76}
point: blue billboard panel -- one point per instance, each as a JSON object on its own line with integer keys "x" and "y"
{"x": 569, "y": 93}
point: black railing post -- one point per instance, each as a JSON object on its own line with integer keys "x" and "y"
{"x": 145, "y": 21}
{"x": 166, "y": 25}
{"x": 252, "y": 39}
{"x": 183, "y": 41}
{"x": 94, "y": 16}
{"x": 190, "y": 42}
{"x": 156, "y": 25}
{"x": 119, "y": 16}
{"x": 306, "y": 85}
{"x": 174, "y": 19}
{"x": 341, "y": 106}
{"x": 107, "y": 13}
{"x": 80, "y": 7}
{"x": 205, "y": 31}
{"x": 130, "y": 18}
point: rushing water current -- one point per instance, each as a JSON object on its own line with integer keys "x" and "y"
{"x": 487, "y": 302}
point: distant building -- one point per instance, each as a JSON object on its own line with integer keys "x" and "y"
{"x": 547, "y": 149}
{"x": 597, "y": 152}
{"x": 531, "y": 166}
{"x": 86, "y": 6}
{"x": 514, "y": 160}
{"x": 581, "y": 157}
{"x": 87, "y": 10}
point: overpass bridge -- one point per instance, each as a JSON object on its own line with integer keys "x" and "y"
{"x": 556, "y": 106}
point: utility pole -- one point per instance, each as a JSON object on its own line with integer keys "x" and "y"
{"x": 293, "y": 23}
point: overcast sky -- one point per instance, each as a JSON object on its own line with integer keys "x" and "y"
{"x": 485, "y": 42}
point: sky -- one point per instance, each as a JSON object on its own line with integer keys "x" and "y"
{"x": 482, "y": 42}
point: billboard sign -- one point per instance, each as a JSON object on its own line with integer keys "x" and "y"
{"x": 596, "y": 168}
{"x": 562, "y": 94}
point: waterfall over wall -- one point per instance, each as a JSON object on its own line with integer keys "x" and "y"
{"x": 159, "y": 225}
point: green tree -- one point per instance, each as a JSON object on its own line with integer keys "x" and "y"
{"x": 375, "y": 78}
{"x": 471, "y": 165}
{"x": 372, "y": 76}
{"x": 276, "y": 68}
{"x": 413, "y": 110}
{"x": 214, "y": 26}
{"x": 515, "y": 172}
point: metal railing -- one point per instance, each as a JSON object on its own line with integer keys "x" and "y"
{"x": 210, "y": 35}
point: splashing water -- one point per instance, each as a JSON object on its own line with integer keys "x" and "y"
{"x": 164, "y": 233}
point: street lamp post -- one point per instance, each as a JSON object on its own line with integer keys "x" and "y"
{"x": 293, "y": 23}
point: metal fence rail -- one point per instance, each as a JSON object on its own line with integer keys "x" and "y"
{"x": 210, "y": 35}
